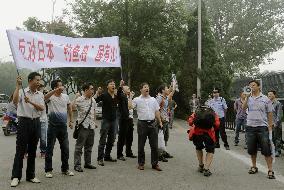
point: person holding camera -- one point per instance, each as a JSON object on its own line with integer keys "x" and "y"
{"x": 86, "y": 122}
{"x": 219, "y": 105}
{"x": 259, "y": 126}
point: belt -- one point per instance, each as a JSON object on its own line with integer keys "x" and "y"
{"x": 147, "y": 121}
{"x": 31, "y": 119}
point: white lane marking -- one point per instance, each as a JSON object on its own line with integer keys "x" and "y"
{"x": 246, "y": 160}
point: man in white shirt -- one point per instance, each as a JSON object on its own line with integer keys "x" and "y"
{"x": 58, "y": 108}
{"x": 147, "y": 109}
{"x": 30, "y": 103}
{"x": 86, "y": 106}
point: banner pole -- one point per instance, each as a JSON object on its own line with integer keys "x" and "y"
{"x": 13, "y": 54}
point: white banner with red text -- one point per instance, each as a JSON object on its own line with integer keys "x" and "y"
{"x": 34, "y": 50}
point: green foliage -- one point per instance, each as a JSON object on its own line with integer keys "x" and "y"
{"x": 8, "y": 77}
{"x": 246, "y": 31}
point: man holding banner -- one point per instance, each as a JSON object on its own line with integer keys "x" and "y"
{"x": 30, "y": 103}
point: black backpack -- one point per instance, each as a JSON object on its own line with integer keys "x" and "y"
{"x": 204, "y": 118}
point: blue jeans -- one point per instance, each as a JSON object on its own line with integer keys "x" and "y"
{"x": 43, "y": 136}
{"x": 57, "y": 132}
{"x": 239, "y": 124}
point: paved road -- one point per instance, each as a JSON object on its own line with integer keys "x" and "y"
{"x": 229, "y": 169}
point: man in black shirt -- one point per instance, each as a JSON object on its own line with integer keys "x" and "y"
{"x": 125, "y": 135}
{"x": 108, "y": 125}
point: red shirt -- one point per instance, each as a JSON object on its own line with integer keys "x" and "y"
{"x": 193, "y": 130}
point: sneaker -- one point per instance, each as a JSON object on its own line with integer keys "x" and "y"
{"x": 48, "y": 175}
{"x": 90, "y": 166}
{"x": 15, "y": 182}
{"x": 68, "y": 173}
{"x": 163, "y": 159}
{"x": 34, "y": 180}
{"x": 207, "y": 173}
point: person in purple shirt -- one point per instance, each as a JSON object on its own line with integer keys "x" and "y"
{"x": 241, "y": 117}
{"x": 259, "y": 127}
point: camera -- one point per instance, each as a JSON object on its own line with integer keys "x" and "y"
{"x": 247, "y": 90}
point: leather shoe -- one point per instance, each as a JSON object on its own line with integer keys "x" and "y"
{"x": 167, "y": 155}
{"x": 157, "y": 167}
{"x": 101, "y": 162}
{"x": 78, "y": 169}
{"x": 89, "y": 166}
{"x": 131, "y": 156}
{"x": 121, "y": 158}
{"x": 141, "y": 167}
{"x": 110, "y": 159}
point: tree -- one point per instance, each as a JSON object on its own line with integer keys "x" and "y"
{"x": 214, "y": 73}
{"x": 152, "y": 34}
{"x": 8, "y": 77}
{"x": 246, "y": 31}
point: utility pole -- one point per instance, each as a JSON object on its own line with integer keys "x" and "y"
{"x": 199, "y": 48}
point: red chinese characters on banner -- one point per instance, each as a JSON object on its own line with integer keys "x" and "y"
{"x": 35, "y": 50}
{"x": 106, "y": 53}
{"x": 74, "y": 54}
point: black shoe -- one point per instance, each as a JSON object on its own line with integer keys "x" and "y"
{"x": 131, "y": 156}
{"x": 163, "y": 159}
{"x": 227, "y": 147}
{"x": 89, "y": 166}
{"x": 201, "y": 168}
{"x": 121, "y": 158}
{"x": 78, "y": 169}
{"x": 167, "y": 155}
{"x": 217, "y": 145}
{"x": 110, "y": 159}
{"x": 101, "y": 162}
{"x": 207, "y": 173}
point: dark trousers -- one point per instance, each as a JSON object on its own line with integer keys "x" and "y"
{"x": 277, "y": 137}
{"x": 107, "y": 138}
{"x": 221, "y": 131}
{"x": 27, "y": 136}
{"x": 240, "y": 123}
{"x": 86, "y": 140}
{"x": 166, "y": 131}
{"x": 149, "y": 130}
{"x": 57, "y": 132}
{"x": 125, "y": 136}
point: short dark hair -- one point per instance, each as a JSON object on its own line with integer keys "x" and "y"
{"x": 86, "y": 86}
{"x": 54, "y": 83}
{"x": 143, "y": 84}
{"x": 255, "y": 81}
{"x": 109, "y": 81}
{"x": 161, "y": 88}
{"x": 273, "y": 91}
{"x": 32, "y": 76}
